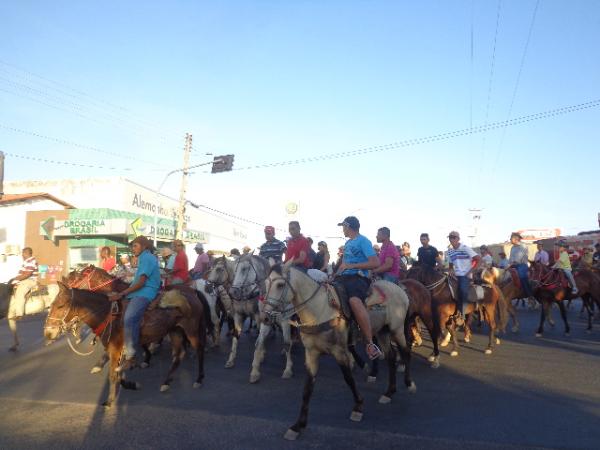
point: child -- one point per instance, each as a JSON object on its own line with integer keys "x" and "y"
{"x": 564, "y": 263}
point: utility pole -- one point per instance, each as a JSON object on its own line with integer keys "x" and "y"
{"x": 1, "y": 174}
{"x": 476, "y": 217}
{"x": 186, "y": 162}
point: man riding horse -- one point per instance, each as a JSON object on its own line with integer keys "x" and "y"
{"x": 140, "y": 293}
{"x": 353, "y": 274}
{"x": 25, "y": 282}
{"x": 518, "y": 260}
{"x": 463, "y": 260}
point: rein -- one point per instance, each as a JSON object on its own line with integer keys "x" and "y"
{"x": 88, "y": 278}
{"x": 244, "y": 284}
{"x": 291, "y": 309}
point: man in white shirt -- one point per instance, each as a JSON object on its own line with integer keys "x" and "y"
{"x": 462, "y": 260}
{"x": 25, "y": 281}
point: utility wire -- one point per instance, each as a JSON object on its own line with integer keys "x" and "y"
{"x": 82, "y": 146}
{"x": 515, "y": 90}
{"x": 65, "y": 163}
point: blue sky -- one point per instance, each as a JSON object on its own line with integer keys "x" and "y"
{"x": 272, "y": 81}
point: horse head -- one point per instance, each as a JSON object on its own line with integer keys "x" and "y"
{"x": 279, "y": 291}
{"x": 61, "y": 312}
{"x": 220, "y": 273}
{"x": 249, "y": 276}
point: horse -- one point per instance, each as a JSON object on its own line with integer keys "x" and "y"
{"x": 511, "y": 289}
{"x": 324, "y": 330}
{"x": 179, "y": 309}
{"x": 550, "y": 286}
{"x": 207, "y": 290}
{"x": 443, "y": 288}
{"x": 36, "y": 302}
{"x": 249, "y": 277}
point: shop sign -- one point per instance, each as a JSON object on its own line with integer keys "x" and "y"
{"x": 87, "y": 227}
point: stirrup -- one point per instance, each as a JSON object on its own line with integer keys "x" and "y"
{"x": 376, "y": 354}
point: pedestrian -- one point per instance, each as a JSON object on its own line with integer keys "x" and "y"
{"x": 25, "y": 281}
{"x": 272, "y": 248}
{"x": 389, "y": 258}
{"x": 463, "y": 260}
{"x": 353, "y": 274}
{"x": 141, "y": 293}
{"x": 107, "y": 260}
{"x": 427, "y": 255}
{"x": 180, "y": 274}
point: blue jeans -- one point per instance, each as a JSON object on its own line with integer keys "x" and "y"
{"x": 523, "y": 272}
{"x": 391, "y": 278}
{"x": 464, "y": 283}
{"x": 133, "y": 317}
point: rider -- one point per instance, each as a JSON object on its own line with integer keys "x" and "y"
{"x": 518, "y": 260}
{"x": 359, "y": 258}
{"x": 486, "y": 257}
{"x": 541, "y": 256}
{"x": 427, "y": 255}
{"x": 25, "y": 281}
{"x": 564, "y": 263}
{"x": 463, "y": 260}
{"x": 297, "y": 248}
{"x": 389, "y": 258}
{"x": 272, "y": 248}
{"x": 180, "y": 273}
{"x": 503, "y": 261}
{"x": 140, "y": 294}
{"x": 202, "y": 262}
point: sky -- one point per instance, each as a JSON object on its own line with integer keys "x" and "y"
{"x": 116, "y": 85}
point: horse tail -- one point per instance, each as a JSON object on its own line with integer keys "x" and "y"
{"x": 502, "y": 308}
{"x": 175, "y": 299}
{"x": 206, "y": 322}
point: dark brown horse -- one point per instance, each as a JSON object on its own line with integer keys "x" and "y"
{"x": 443, "y": 288}
{"x": 179, "y": 309}
{"x": 550, "y": 287}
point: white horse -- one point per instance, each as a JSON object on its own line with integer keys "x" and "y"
{"x": 210, "y": 294}
{"x": 250, "y": 275}
{"x": 323, "y": 329}
{"x": 35, "y": 304}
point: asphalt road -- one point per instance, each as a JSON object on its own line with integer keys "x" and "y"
{"x": 532, "y": 392}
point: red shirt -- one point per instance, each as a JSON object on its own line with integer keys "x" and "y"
{"x": 109, "y": 264}
{"x": 297, "y": 245}
{"x": 180, "y": 268}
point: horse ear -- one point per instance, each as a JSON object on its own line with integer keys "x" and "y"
{"x": 64, "y": 280}
{"x": 286, "y": 266}
{"x": 62, "y": 286}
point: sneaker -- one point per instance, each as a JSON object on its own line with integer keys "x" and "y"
{"x": 126, "y": 365}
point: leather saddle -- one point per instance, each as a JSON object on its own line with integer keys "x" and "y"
{"x": 340, "y": 298}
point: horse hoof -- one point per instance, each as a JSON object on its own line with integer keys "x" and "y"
{"x": 254, "y": 378}
{"x": 384, "y": 400}
{"x": 538, "y": 335}
{"x": 552, "y": 323}
{"x": 107, "y": 405}
{"x": 412, "y": 389}
{"x": 515, "y": 329}
{"x": 291, "y": 435}
{"x": 401, "y": 368}
{"x": 488, "y": 351}
{"x": 96, "y": 369}
{"x": 371, "y": 379}
{"x": 196, "y": 385}
{"x": 13, "y": 349}
{"x": 287, "y": 375}
{"x": 356, "y": 416}
{"x": 498, "y": 341}
{"x": 567, "y": 334}
{"x": 165, "y": 388}
{"x": 435, "y": 364}
{"x": 431, "y": 358}
{"x": 453, "y": 353}
{"x": 229, "y": 364}
{"x": 467, "y": 339}
{"x": 138, "y": 386}
{"x": 144, "y": 365}
{"x": 444, "y": 343}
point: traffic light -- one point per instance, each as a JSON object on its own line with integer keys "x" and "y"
{"x": 222, "y": 163}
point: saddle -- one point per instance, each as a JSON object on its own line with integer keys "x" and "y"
{"x": 338, "y": 298}
{"x": 476, "y": 293}
{"x": 556, "y": 279}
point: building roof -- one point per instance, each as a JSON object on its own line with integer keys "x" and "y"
{"x": 16, "y": 198}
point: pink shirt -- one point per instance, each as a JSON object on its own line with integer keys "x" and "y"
{"x": 389, "y": 250}
{"x": 201, "y": 263}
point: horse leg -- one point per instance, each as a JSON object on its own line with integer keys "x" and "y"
{"x": 259, "y": 352}
{"x": 343, "y": 361}
{"x": 452, "y": 331}
{"x": 114, "y": 377}
{"x": 434, "y": 331}
{"x": 147, "y": 356}
{"x": 467, "y": 327}
{"x": 540, "y": 329}
{"x": 237, "y": 331}
{"x": 100, "y": 363}
{"x": 286, "y": 329}
{"x": 176, "y": 355}
{"x": 563, "y": 314}
{"x": 311, "y": 357}
{"x": 372, "y": 376}
{"x": 390, "y": 356}
{"x": 588, "y": 304}
{"x": 357, "y": 358}
{"x": 198, "y": 343}
{"x": 491, "y": 320}
{"x": 12, "y": 324}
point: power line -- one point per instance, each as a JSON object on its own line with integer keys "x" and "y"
{"x": 82, "y": 146}
{"x": 516, "y": 88}
{"x": 65, "y": 163}
{"x": 434, "y": 138}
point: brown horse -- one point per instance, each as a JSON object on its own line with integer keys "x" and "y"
{"x": 442, "y": 289}
{"x": 179, "y": 309}
{"x": 550, "y": 287}
{"x": 510, "y": 291}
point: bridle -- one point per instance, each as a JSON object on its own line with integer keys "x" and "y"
{"x": 283, "y": 308}
{"x": 245, "y": 282}
{"x": 88, "y": 279}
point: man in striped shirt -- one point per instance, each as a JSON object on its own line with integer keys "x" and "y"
{"x": 25, "y": 281}
{"x": 462, "y": 260}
